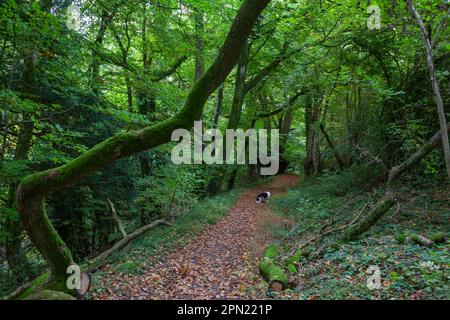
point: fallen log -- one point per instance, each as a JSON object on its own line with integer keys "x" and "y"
{"x": 421, "y": 240}
{"x": 438, "y": 237}
{"x": 271, "y": 271}
{"x": 101, "y": 258}
{"x": 291, "y": 262}
{"x": 388, "y": 200}
{"x": 380, "y": 209}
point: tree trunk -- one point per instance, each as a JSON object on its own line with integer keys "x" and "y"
{"x": 313, "y": 156}
{"x": 95, "y": 80}
{"x": 33, "y": 189}
{"x": 437, "y": 91}
{"x": 124, "y": 51}
{"x": 242, "y": 87}
{"x": 116, "y": 217}
{"x": 339, "y": 160}
{"x": 239, "y": 89}
{"x": 232, "y": 179}
{"x": 129, "y": 93}
{"x": 218, "y": 112}
{"x": 285, "y": 128}
{"x": 215, "y": 183}
{"x": 145, "y": 108}
{"x": 146, "y": 105}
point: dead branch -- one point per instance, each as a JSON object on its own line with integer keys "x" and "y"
{"x": 100, "y": 259}
{"x": 325, "y": 232}
{"x": 116, "y": 217}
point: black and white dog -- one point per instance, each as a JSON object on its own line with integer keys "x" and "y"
{"x": 262, "y": 197}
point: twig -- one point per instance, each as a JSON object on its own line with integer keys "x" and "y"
{"x": 322, "y": 233}
{"x": 116, "y": 217}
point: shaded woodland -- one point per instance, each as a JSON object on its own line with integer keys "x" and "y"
{"x": 91, "y": 91}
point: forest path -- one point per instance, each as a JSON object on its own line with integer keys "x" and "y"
{"x": 221, "y": 263}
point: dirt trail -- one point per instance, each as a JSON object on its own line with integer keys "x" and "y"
{"x": 218, "y": 264}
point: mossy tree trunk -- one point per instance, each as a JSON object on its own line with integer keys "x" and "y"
{"x": 313, "y": 111}
{"x": 242, "y": 87}
{"x": 285, "y": 127}
{"x": 33, "y": 189}
{"x": 271, "y": 271}
{"x": 388, "y": 200}
{"x": 215, "y": 184}
{"x": 426, "y": 37}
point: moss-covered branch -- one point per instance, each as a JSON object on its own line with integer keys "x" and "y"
{"x": 380, "y": 209}
{"x": 397, "y": 171}
{"x": 388, "y": 200}
{"x": 33, "y": 189}
{"x": 271, "y": 271}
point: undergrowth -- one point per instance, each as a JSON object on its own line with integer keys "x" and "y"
{"x": 408, "y": 271}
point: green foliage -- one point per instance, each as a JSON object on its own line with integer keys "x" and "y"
{"x": 438, "y": 237}
{"x": 408, "y": 271}
{"x": 169, "y": 193}
{"x": 128, "y": 267}
{"x": 269, "y": 267}
{"x": 401, "y": 237}
{"x": 369, "y": 90}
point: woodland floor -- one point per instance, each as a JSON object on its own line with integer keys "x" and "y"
{"x": 221, "y": 263}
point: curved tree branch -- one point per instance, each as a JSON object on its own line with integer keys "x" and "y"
{"x": 33, "y": 189}
{"x": 166, "y": 73}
